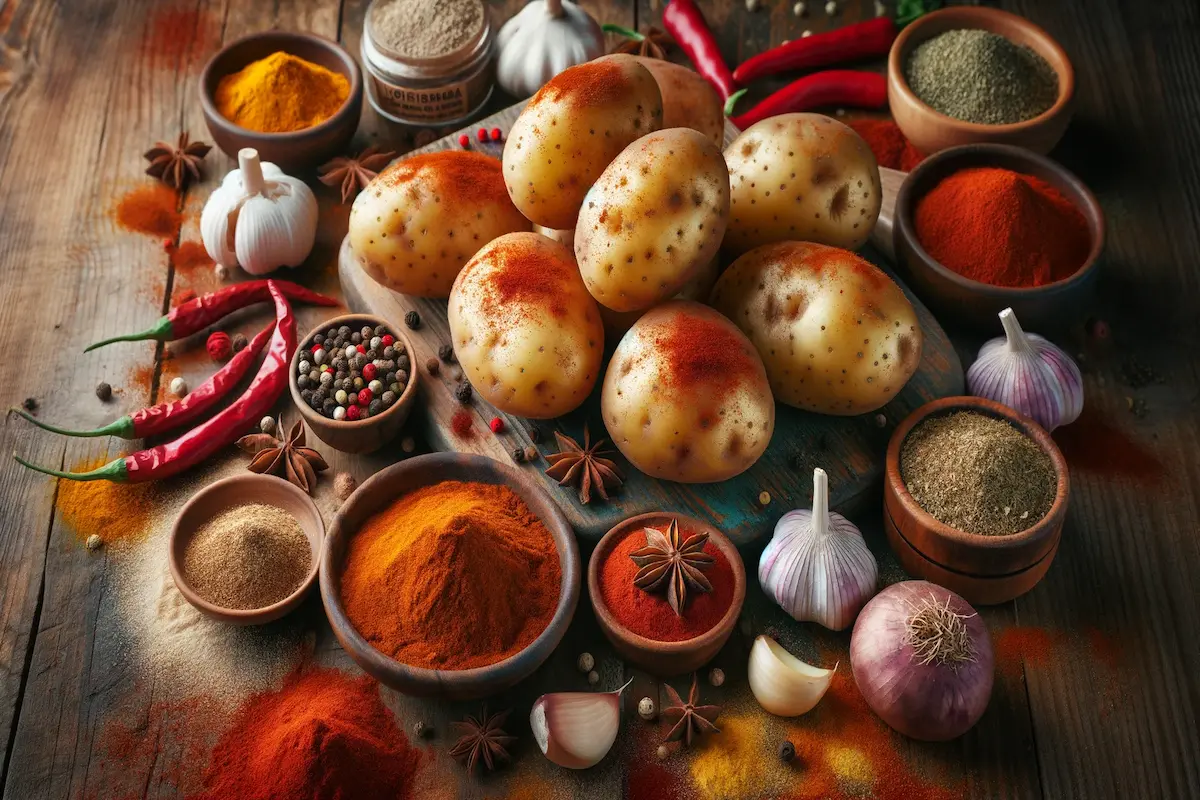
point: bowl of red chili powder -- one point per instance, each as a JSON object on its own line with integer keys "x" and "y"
{"x": 642, "y": 626}
{"x": 985, "y": 227}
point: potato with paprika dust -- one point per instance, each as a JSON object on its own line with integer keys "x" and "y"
{"x": 689, "y": 101}
{"x": 525, "y": 330}
{"x": 654, "y": 218}
{"x": 686, "y": 397}
{"x": 800, "y": 177}
{"x": 570, "y": 131}
{"x": 415, "y": 225}
{"x": 836, "y": 334}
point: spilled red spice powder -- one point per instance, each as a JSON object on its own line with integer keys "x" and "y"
{"x": 324, "y": 735}
{"x": 189, "y": 255}
{"x": 460, "y": 423}
{"x": 127, "y": 751}
{"x": 152, "y": 209}
{"x": 1093, "y": 444}
{"x": 704, "y": 349}
{"x": 465, "y": 178}
{"x": 649, "y": 614}
{"x": 590, "y": 83}
{"x": 1019, "y": 645}
{"x": 172, "y": 32}
{"x": 888, "y": 143}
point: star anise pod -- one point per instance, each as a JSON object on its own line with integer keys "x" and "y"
{"x": 666, "y": 563}
{"x": 585, "y": 466}
{"x": 289, "y": 456}
{"x": 690, "y": 719}
{"x": 483, "y": 738}
{"x": 355, "y": 173}
{"x": 176, "y": 164}
{"x": 651, "y": 44}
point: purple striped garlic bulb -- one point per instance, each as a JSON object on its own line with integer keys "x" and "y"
{"x": 1028, "y": 374}
{"x": 817, "y": 566}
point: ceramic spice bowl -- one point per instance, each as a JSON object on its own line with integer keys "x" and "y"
{"x": 1052, "y": 306}
{"x": 362, "y": 435}
{"x": 229, "y": 493}
{"x": 931, "y": 131}
{"x": 983, "y": 569}
{"x": 296, "y": 149}
{"x": 384, "y": 488}
{"x": 665, "y": 659}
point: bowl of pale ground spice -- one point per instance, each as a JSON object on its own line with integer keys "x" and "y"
{"x": 969, "y": 75}
{"x": 975, "y": 495}
{"x": 245, "y": 550}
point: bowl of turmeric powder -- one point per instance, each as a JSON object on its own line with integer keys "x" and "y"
{"x": 294, "y": 97}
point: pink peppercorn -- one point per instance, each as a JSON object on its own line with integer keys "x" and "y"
{"x": 481, "y": 134}
{"x": 388, "y": 340}
{"x": 496, "y": 134}
{"x": 464, "y": 141}
{"x": 361, "y": 348}
{"x": 497, "y": 425}
{"x": 353, "y": 413}
{"x": 368, "y": 372}
{"x": 365, "y": 397}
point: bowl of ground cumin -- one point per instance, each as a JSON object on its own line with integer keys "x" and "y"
{"x": 294, "y": 97}
{"x": 975, "y": 496}
{"x": 245, "y": 549}
{"x": 450, "y": 575}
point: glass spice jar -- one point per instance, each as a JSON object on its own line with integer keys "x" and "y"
{"x": 442, "y": 90}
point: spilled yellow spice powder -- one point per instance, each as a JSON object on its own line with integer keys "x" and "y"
{"x": 850, "y": 765}
{"x": 730, "y": 765}
{"x": 113, "y": 511}
{"x": 281, "y": 93}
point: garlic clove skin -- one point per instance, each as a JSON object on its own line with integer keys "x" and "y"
{"x": 543, "y": 39}
{"x": 576, "y": 729}
{"x": 783, "y": 684}
{"x": 817, "y": 566}
{"x": 1028, "y": 374}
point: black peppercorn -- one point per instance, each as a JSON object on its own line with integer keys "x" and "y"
{"x": 356, "y": 338}
{"x": 421, "y": 729}
{"x": 380, "y": 330}
{"x": 787, "y": 751}
{"x": 413, "y": 320}
{"x": 518, "y": 455}
{"x": 328, "y": 406}
{"x": 103, "y": 391}
{"x": 303, "y": 383}
{"x": 306, "y": 355}
{"x": 446, "y": 353}
{"x": 401, "y": 378}
{"x": 372, "y": 355}
{"x": 332, "y": 333}
{"x": 402, "y": 363}
{"x": 306, "y": 395}
{"x": 30, "y": 404}
{"x": 375, "y": 407}
{"x": 318, "y": 338}
{"x": 432, "y": 366}
{"x": 238, "y": 343}
{"x": 344, "y": 330}
{"x": 463, "y": 393}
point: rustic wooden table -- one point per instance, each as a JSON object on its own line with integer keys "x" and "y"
{"x": 1097, "y": 694}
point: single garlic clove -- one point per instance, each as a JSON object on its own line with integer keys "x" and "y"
{"x": 783, "y": 684}
{"x": 576, "y": 729}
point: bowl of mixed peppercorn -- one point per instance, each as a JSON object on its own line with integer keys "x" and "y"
{"x": 354, "y": 382}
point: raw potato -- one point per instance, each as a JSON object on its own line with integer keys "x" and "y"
{"x": 416, "y": 224}
{"x": 686, "y": 397}
{"x": 698, "y": 288}
{"x": 801, "y": 177}
{"x": 653, "y": 219}
{"x": 570, "y": 131}
{"x": 525, "y": 330}
{"x": 836, "y": 334}
{"x": 689, "y": 101}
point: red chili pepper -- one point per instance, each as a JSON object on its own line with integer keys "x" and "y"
{"x": 684, "y": 21}
{"x": 835, "y": 87}
{"x": 197, "y": 314}
{"x": 860, "y": 40}
{"x": 220, "y": 430}
{"x": 169, "y": 416}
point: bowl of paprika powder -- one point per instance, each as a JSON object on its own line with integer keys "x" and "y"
{"x": 984, "y": 227}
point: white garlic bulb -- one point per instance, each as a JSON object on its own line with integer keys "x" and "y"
{"x": 259, "y": 218}
{"x": 817, "y": 566}
{"x": 543, "y": 39}
{"x": 1028, "y": 374}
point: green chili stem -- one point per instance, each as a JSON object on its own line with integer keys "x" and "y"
{"x": 909, "y": 10}
{"x": 112, "y": 471}
{"x": 160, "y": 331}
{"x": 628, "y": 33}
{"x": 122, "y": 427}
{"x": 732, "y": 101}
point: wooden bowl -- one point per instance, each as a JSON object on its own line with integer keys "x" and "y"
{"x": 983, "y": 569}
{"x": 1042, "y": 308}
{"x": 236, "y": 491}
{"x": 361, "y": 435}
{"x": 665, "y": 659}
{"x": 297, "y": 149}
{"x": 931, "y": 131}
{"x": 384, "y": 488}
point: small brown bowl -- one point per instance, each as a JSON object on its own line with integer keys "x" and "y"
{"x": 1041, "y": 308}
{"x": 931, "y": 131}
{"x": 386, "y": 487}
{"x": 235, "y": 491}
{"x": 665, "y": 659}
{"x": 361, "y": 435}
{"x": 297, "y": 149}
{"x": 983, "y": 569}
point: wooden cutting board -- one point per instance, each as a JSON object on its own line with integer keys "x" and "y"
{"x": 850, "y": 449}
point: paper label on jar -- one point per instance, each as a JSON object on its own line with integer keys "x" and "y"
{"x": 426, "y": 105}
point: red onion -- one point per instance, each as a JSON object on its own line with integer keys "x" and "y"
{"x": 923, "y": 660}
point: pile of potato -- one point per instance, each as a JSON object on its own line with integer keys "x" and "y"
{"x": 633, "y": 217}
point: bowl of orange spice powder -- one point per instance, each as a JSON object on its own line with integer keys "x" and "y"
{"x": 630, "y": 584}
{"x": 450, "y": 575}
{"x": 294, "y": 97}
